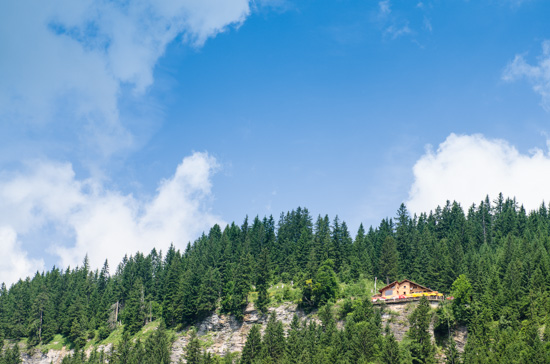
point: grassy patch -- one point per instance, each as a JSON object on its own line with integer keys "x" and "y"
{"x": 147, "y": 331}
{"x": 114, "y": 337}
{"x": 57, "y": 343}
{"x": 283, "y": 292}
{"x": 363, "y": 288}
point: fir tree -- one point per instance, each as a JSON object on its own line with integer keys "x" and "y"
{"x": 262, "y": 281}
{"x": 390, "y": 349}
{"x": 193, "y": 349}
{"x": 273, "y": 343}
{"x": 422, "y": 350}
{"x": 253, "y": 346}
{"x": 389, "y": 260}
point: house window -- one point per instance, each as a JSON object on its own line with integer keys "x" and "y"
{"x": 389, "y": 292}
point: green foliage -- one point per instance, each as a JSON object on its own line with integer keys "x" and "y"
{"x": 451, "y": 352}
{"x": 253, "y": 347}
{"x": 422, "y": 350}
{"x": 493, "y": 258}
{"x": 273, "y": 342}
{"x": 323, "y": 288}
{"x": 390, "y": 350}
{"x": 193, "y": 349}
{"x": 389, "y": 260}
{"x": 262, "y": 282}
{"x": 134, "y": 310}
{"x": 462, "y": 291}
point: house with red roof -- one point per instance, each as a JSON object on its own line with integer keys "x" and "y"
{"x": 405, "y": 289}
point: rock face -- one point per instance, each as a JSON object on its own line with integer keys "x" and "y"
{"x": 460, "y": 335}
{"x": 53, "y": 356}
{"x": 223, "y": 334}
{"x": 397, "y": 316}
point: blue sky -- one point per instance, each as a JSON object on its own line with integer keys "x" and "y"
{"x": 128, "y": 125}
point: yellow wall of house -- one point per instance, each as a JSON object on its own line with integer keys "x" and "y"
{"x": 406, "y": 288}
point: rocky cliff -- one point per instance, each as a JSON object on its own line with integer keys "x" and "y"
{"x": 223, "y": 334}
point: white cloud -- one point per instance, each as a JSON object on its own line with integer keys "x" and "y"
{"x": 538, "y": 75}
{"x": 384, "y": 8}
{"x": 466, "y": 168}
{"x": 14, "y": 263}
{"x": 68, "y": 60}
{"x": 427, "y": 24}
{"x": 395, "y": 32}
{"x": 105, "y": 223}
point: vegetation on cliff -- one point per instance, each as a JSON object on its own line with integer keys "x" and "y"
{"x": 493, "y": 258}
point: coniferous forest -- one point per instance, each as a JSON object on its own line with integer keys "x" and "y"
{"x": 493, "y": 258}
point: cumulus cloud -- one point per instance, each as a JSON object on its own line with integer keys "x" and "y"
{"x": 466, "y": 168}
{"x": 70, "y": 60}
{"x": 100, "y": 222}
{"x": 538, "y": 75}
{"x": 14, "y": 262}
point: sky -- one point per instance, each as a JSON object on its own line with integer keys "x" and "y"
{"x": 128, "y": 125}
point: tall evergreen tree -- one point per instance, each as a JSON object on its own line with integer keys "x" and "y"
{"x": 389, "y": 261}
{"x": 422, "y": 350}
{"x": 262, "y": 281}
{"x": 253, "y": 346}
{"x": 193, "y": 349}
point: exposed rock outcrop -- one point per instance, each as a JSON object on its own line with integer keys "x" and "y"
{"x": 221, "y": 334}
{"x": 52, "y": 356}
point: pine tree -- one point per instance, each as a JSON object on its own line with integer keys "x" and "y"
{"x": 295, "y": 341}
{"x": 262, "y": 282}
{"x": 451, "y": 353}
{"x": 134, "y": 310}
{"x": 389, "y": 260}
{"x": 124, "y": 349}
{"x": 403, "y": 237}
{"x": 390, "y": 349}
{"x": 273, "y": 343}
{"x": 158, "y": 345}
{"x": 421, "y": 348}
{"x": 253, "y": 346}
{"x": 13, "y": 355}
{"x": 209, "y": 292}
{"x": 193, "y": 349}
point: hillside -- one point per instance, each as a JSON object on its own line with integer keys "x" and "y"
{"x": 222, "y": 334}
{"x": 493, "y": 259}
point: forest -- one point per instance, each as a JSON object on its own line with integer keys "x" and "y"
{"x": 493, "y": 258}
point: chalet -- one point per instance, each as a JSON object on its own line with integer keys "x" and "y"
{"x": 405, "y": 289}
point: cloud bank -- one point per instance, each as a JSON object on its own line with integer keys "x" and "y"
{"x": 466, "y": 168}
{"x": 14, "y": 262}
{"x": 100, "y": 222}
{"x": 67, "y": 61}
{"x": 538, "y": 75}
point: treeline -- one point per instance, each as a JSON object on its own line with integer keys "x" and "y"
{"x": 154, "y": 350}
{"x": 501, "y": 250}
